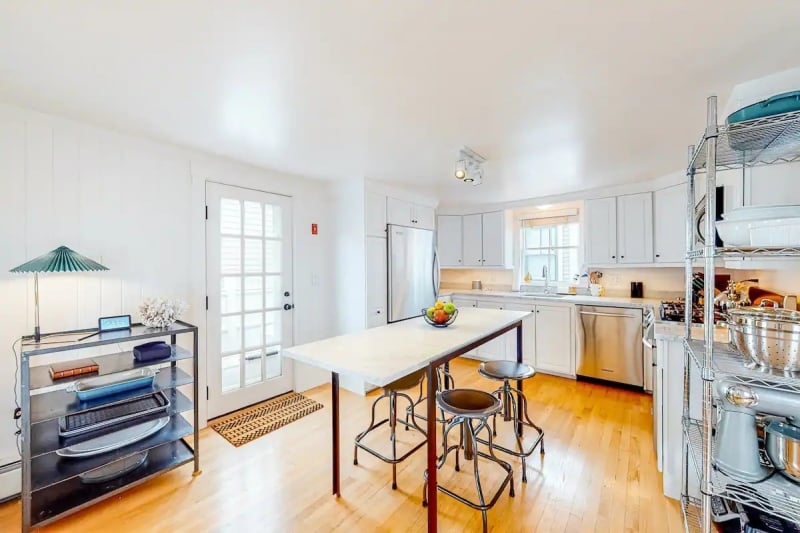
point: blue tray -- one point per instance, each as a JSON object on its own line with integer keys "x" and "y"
{"x": 774, "y": 105}
{"x": 100, "y": 387}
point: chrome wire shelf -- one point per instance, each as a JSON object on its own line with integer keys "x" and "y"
{"x": 691, "y": 513}
{"x": 693, "y": 430}
{"x": 776, "y": 495}
{"x": 730, "y": 252}
{"x": 775, "y": 139}
{"x": 732, "y": 366}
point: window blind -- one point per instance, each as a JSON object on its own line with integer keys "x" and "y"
{"x": 548, "y": 221}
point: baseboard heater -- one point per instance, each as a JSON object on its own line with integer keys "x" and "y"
{"x": 10, "y": 481}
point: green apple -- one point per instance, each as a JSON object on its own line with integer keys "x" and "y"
{"x": 449, "y": 308}
{"x": 431, "y": 310}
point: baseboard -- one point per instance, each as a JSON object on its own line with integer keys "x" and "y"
{"x": 10, "y": 481}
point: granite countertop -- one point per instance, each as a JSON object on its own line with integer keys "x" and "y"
{"x": 673, "y": 331}
{"x": 569, "y": 299}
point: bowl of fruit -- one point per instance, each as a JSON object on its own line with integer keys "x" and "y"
{"x": 441, "y": 314}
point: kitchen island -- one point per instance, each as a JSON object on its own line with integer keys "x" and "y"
{"x": 383, "y": 354}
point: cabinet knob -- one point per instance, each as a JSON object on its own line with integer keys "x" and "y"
{"x": 622, "y": 257}
{"x": 613, "y": 257}
{"x": 378, "y": 311}
{"x": 658, "y": 255}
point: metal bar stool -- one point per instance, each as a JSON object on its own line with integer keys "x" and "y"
{"x": 444, "y": 381}
{"x": 392, "y": 391}
{"x": 515, "y": 406}
{"x": 470, "y": 410}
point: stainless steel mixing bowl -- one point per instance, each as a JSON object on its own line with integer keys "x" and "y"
{"x": 783, "y": 448}
{"x": 770, "y": 337}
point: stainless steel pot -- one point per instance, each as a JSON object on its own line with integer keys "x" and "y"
{"x": 769, "y": 337}
{"x": 783, "y": 448}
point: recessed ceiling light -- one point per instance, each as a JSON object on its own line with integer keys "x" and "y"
{"x": 468, "y": 180}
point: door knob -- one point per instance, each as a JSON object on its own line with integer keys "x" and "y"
{"x": 287, "y": 307}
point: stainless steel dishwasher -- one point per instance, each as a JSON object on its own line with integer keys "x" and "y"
{"x": 610, "y": 344}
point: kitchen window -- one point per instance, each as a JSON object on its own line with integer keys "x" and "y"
{"x": 551, "y": 242}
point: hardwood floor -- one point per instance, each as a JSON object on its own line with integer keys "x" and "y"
{"x": 598, "y": 474}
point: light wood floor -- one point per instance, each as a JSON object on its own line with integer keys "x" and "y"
{"x": 599, "y": 474}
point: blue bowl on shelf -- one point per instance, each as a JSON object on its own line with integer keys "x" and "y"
{"x": 430, "y": 321}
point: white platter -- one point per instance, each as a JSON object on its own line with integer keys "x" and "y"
{"x": 112, "y": 441}
{"x": 759, "y": 212}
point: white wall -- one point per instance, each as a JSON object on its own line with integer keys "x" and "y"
{"x": 136, "y": 206}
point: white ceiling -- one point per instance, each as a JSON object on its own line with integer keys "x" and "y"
{"x": 559, "y": 96}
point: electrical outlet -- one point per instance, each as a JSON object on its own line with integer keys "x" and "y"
{"x": 315, "y": 280}
{"x": 614, "y": 281}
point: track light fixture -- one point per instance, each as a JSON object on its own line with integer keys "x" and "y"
{"x": 468, "y": 166}
{"x": 461, "y": 169}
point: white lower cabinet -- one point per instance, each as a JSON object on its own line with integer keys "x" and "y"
{"x": 554, "y": 339}
{"x": 461, "y": 303}
{"x": 669, "y": 396}
{"x": 528, "y": 336}
{"x": 495, "y": 348}
{"x": 376, "y": 281}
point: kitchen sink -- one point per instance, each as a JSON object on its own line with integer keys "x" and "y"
{"x": 541, "y": 295}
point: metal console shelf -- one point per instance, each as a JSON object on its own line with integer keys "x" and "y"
{"x": 778, "y": 139}
{"x": 51, "y": 486}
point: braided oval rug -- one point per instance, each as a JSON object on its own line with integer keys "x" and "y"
{"x": 250, "y": 423}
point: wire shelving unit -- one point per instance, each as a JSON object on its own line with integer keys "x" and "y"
{"x": 770, "y": 140}
{"x": 53, "y": 486}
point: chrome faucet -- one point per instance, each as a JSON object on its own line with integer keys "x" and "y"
{"x": 546, "y": 275}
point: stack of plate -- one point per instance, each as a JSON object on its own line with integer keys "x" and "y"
{"x": 768, "y": 225}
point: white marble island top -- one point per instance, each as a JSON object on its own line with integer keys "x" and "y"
{"x": 565, "y": 298}
{"x": 386, "y": 353}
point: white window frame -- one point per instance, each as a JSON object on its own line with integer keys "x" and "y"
{"x": 551, "y": 221}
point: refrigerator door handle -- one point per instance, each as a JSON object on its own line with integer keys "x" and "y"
{"x": 436, "y": 272}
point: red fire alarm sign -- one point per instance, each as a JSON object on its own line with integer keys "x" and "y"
{"x": 314, "y": 229}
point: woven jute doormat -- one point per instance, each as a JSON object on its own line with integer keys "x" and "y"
{"x": 250, "y": 423}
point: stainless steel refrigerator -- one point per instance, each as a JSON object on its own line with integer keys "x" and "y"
{"x": 413, "y": 268}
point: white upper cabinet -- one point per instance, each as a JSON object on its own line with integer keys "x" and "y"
{"x": 399, "y": 212}
{"x": 472, "y": 254}
{"x": 478, "y": 240}
{"x": 449, "y": 237}
{"x": 600, "y": 229}
{"x": 635, "y": 228}
{"x": 424, "y": 217}
{"x": 375, "y": 214}
{"x": 669, "y": 223}
{"x": 405, "y": 213}
{"x": 493, "y": 238}
{"x": 376, "y": 281}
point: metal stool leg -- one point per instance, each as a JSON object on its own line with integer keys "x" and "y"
{"x": 371, "y": 426}
{"x": 509, "y": 396}
{"x": 393, "y": 421}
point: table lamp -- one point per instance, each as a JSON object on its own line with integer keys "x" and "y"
{"x": 62, "y": 259}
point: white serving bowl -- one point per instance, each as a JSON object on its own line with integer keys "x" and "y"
{"x": 734, "y": 232}
{"x": 775, "y": 232}
{"x": 760, "y": 212}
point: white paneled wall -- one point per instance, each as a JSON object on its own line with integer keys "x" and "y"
{"x": 135, "y": 206}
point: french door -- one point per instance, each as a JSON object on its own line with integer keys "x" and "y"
{"x": 249, "y": 287}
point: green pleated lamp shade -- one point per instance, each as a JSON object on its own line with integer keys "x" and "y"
{"x": 62, "y": 259}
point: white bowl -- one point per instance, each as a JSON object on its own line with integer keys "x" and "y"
{"x": 734, "y": 232}
{"x": 775, "y": 232}
{"x": 756, "y": 212}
